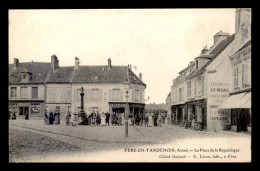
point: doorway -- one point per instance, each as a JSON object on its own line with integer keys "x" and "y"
{"x": 24, "y": 112}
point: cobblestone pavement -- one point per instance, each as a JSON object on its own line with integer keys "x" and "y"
{"x": 31, "y": 140}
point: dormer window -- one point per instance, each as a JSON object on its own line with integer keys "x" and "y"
{"x": 26, "y": 76}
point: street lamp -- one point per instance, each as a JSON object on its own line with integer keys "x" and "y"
{"x": 127, "y": 88}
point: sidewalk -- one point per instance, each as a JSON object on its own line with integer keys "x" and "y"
{"x": 136, "y": 134}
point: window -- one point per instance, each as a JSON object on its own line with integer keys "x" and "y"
{"x": 13, "y": 92}
{"x": 95, "y": 109}
{"x": 136, "y": 95}
{"x": 52, "y": 95}
{"x": 188, "y": 89}
{"x": 34, "y": 92}
{"x": 245, "y": 74}
{"x": 197, "y": 64}
{"x": 202, "y": 85}
{"x": 96, "y": 95}
{"x": 24, "y": 76}
{"x": 235, "y": 77}
{"x": 195, "y": 87}
{"x": 180, "y": 94}
{"x": 115, "y": 94}
{"x": 78, "y": 95}
{"x": 24, "y": 92}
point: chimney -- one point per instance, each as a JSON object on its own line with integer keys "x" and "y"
{"x": 204, "y": 50}
{"x": 54, "y": 62}
{"x": 109, "y": 63}
{"x": 220, "y": 36}
{"x": 57, "y": 63}
{"x": 16, "y": 63}
{"x": 131, "y": 67}
{"x": 140, "y": 76}
{"x": 243, "y": 21}
{"x": 76, "y": 63}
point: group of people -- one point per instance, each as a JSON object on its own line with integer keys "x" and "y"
{"x": 88, "y": 119}
{"x": 151, "y": 119}
{"x": 50, "y": 119}
{"x": 103, "y": 119}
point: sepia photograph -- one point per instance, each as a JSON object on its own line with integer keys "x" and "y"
{"x": 170, "y": 85}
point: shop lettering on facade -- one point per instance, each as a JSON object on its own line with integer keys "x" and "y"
{"x": 218, "y": 92}
{"x": 35, "y": 109}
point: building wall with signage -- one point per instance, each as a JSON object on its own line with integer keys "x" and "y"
{"x": 98, "y": 96}
{"x": 219, "y": 85}
{"x": 26, "y": 99}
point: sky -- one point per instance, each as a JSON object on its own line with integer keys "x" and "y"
{"x": 156, "y": 42}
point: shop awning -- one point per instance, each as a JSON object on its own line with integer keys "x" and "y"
{"x": 245, "y": 102}
{"x": 232, "y": 102}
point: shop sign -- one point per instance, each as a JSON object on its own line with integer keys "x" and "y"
{"x": 218, "y": 93}
{"x": 116, "y": 104}
{"x": 35, "y": 109}
{"x": 13, "y": 107}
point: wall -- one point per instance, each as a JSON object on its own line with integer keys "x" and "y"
{"x": 106, "y": 96}
{"x": 29, "y": 95}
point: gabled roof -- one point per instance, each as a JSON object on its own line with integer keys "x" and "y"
{"x": 39, "y": 71}
{"x": 102, "y": 74}
{"x": 61, "y": 75}
{"x": 215, "y": 52}
{"x": 245, "y": 46}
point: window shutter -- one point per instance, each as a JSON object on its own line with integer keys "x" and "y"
{"x": 121, "y": 95}
{"x": 140, "y": 99}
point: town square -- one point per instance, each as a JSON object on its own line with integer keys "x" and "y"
{"x": 130, "y": 85}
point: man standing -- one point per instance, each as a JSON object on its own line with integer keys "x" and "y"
{"x": 107, "y": 118}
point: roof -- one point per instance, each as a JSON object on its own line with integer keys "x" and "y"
{"x": 61, "y": 75}
{"x": 245, "y": 46}
{"x": 102, "y": 74}
{"x": 189, "y": 66}
{"x": 39, "y": 71}
{"x": 215, "y": 52}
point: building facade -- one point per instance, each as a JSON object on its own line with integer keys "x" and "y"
{"x": 48, "y": 86}
{"x": 27, "y": 89}
{"x": 205, "y": 84}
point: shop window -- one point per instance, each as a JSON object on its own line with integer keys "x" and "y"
{"x": 13, "y": 92}
{"x": 24, "y": 92}
{"x": 34, "y": 92}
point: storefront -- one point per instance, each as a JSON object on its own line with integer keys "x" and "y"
{"x": 119, "y": 107}
{"x": 240, "y": 107}
{"x": 62, "y": 108}
{"x": 26, "y": 110}
{"x": 197, "y": 110}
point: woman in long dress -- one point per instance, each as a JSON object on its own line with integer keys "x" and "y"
{"x": 150, "y": 120}
{"x": 123, "y": 119}
{"x": 103, "y": 119}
